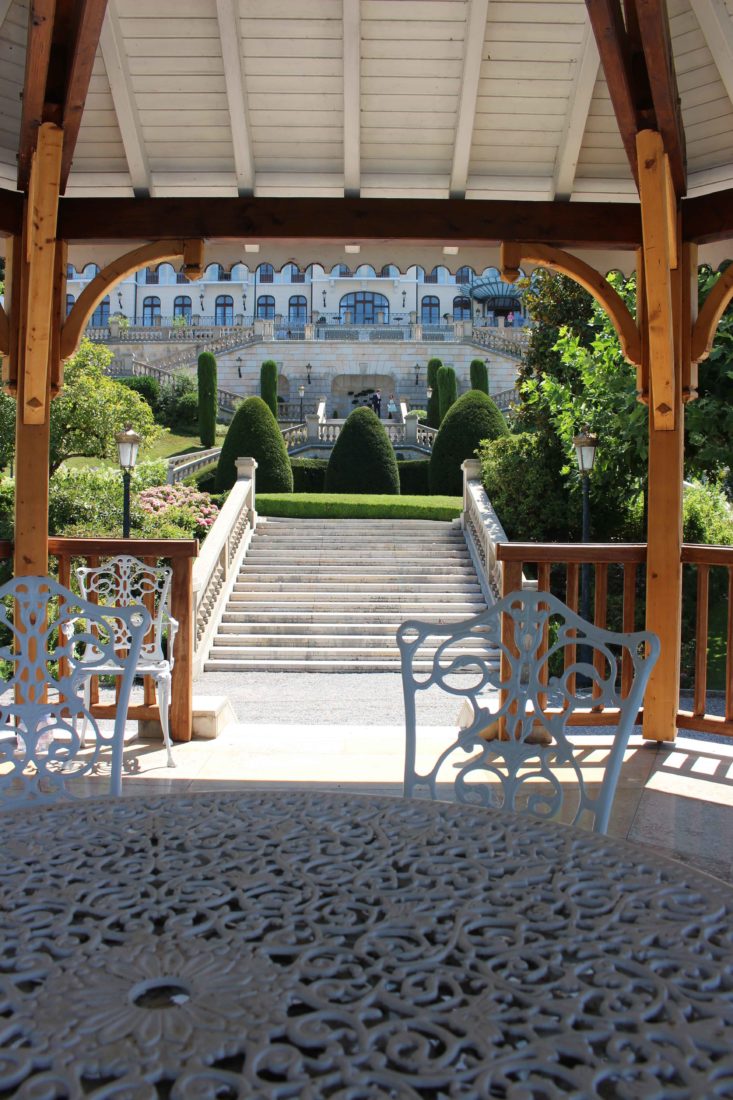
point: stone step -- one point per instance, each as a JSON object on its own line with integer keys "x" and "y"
{"x": 273, "y": 523}
{"x": 373, "y": 569}
{"x": 317, "y": 663}
{"x": 345, "y": 616}
{"x": 328, "y": 640}
{"x": 357, "y": 629}
{"x": 367, "y": 581}
{"x": 351, "y": 553}
{"x": 316, "y": 599}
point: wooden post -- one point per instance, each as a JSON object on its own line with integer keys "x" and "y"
{"x": 34, "y": 320}
{"x": 664, "y": 525}
{"x": 181, "y": 713}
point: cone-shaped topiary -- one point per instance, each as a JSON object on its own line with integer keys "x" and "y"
{"x": 362, "y": 460}
{"x": 472, "y": 418}
{"x": 207, "y": 398}
{"x": 447, "y": 390}
{"x": 268, "y": 385}
{"x": 254, "y": 433}
{"x": 479, "y": 375}
{"x": 433, "y": 417}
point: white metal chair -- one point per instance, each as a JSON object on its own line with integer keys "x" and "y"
{"x": 514, "y": 752}
{"x": 124, "y": 581}
{"x": 49, "y": 641}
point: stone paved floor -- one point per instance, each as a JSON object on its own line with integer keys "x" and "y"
{"x": 344, "y": 732}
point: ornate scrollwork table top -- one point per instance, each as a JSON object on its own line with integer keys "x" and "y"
{"x": 303, "y": 944}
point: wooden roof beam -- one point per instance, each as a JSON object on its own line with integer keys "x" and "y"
{"x": 83, "y": 48}
{"x": 655, "y": 38}
{"x": 613, "y": 46}
{"x": 227, "y": 12}
{"x": 472, "y": 58}
{"x": 579, "y": 102}
{"x": 37, "y": 58}
{"x": 352, "y": 97}
{"x": 128, "y": 119}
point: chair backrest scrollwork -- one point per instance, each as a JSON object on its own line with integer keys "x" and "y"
{"x": 49, "y": 640}
{"x": 124, "y": 581}
{"x": 522, "y": 668}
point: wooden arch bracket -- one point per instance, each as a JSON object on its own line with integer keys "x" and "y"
{"x": 192, "y": 252}
{"x": 513, "y": 254}
{"x": 715, "y": 305}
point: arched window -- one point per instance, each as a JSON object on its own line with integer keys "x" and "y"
{"x": 430, "y": 310}
{"x": 69, "y": 303}
{"x": 100, "y": 317}
{"x": 224, "y": 310}
{"x": 461, "y": 309}
{"x": 152, "y": 277}
{"x": 70, "y": 271}
{"x": 90, "y": 271}
{"x": 364, "y": 307}
{"x": 389, "y": 271}
{"x": 266, "y": 306}
{"x": 151, "y": 310}
{"x": 464, "y": 275}
{"x": 293, "y": 272}
{"x": 298, "y": 309}
{"x": 341, "y": 271}
{"x": 182, "y": 307}
{"x": 433, "y": 276}
{"x": 266, "y": 273}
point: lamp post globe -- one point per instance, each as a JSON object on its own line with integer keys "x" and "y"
{"x": 128, "y": 444}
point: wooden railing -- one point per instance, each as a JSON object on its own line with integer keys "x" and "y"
{"x": 550, "y": 558}
{"x": 71, "y": 552}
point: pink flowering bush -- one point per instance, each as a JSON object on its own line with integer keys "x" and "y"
{"x": 178, "y": 505}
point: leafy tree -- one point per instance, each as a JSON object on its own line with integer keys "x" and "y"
{"x": 523, "y": 480}
{"x": 92, "y": 408}
{"x": 433, "y": 417}
{"x": 7, "y": 429}
{"x": 207, "y": 402}
{"x": 447, "y": 390}
{"x": 268, "y": 385}
{"x": 362, "y": 459}
{"x": 709, "y": 419}
{"x": 479, "y": 375}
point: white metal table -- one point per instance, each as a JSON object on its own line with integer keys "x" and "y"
{"x": 297, "y": 944}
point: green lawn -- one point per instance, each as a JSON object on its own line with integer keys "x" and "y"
{"x": 357, "y": 506}
{"x": 167, "y": 446}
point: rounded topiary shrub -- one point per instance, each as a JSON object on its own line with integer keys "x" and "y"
{"x": 362, "y": 460}
{"x": 268, "y": 384}
{"x": 479, "y": 375}
{"x": 433, "y": 417}
{"x": 473, "y": 418}
{"x": 254, "y": 433}
{"x": 207, "y": 398}
{"x": 447, "y": 390}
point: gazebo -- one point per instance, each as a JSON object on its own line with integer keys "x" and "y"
{"x": 577, "y": 136}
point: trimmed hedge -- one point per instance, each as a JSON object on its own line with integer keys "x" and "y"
{"x": 362, "y": 459}
{"x": 357, "y": 506}
{"x": 473, "y": 418}
{"x": 206, "y": 374}
{"x": 433, "y": 416}
{"x": 523, "y": 479}
{"x": 147, "y": 387}
{"x": 309, "y": 475}
{"x": 254, "y": 433}
{"x": 414, "y": 477}
{"x": 447, "y": 390}
{"x": 268, "y": 385}
{"x": 204, "y": 479}
{"x": 479, "y": 375}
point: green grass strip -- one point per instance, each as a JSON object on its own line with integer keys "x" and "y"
{"x": 357, "y": 506}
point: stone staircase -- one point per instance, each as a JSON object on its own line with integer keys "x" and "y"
{"x": 329, "y": 595}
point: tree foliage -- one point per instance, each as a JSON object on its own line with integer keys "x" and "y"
{"x": 207, "y": 398}
{"x": 447, "y": 390}
{"x": 362, "y": 459}
{"x": 268, "y": 385}
{"x": 479, "y": 375}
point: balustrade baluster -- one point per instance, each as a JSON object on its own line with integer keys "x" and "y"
{"x": 701, "y": 640}
{"x": 600, "y": 608}
{"x": 628, "y": 623}
{"x": 571, "y": 599}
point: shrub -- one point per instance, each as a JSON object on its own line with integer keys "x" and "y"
{"x": 182, "y": 505}
{"x": 417, "y": 414}
{"x": 204, "y": 479}
{"x": 706, "y": 515}
{"x": 175, "y": 408}
{"x": 7, "y": 507}
{"x": 268, "y": 385}
{"x": 479, "y": 375}
{"x": 206, "y": 374}
{"x": 414, "y": 477}
{"x": 524, "y": 482}
{"x": 362, "y": 460}
{"x": 147, "y": 387}
{"x": 447, "y": 390}
{"x": 473, "y": 418}
{"x": 254, "y": 433}
{"x": 309, "y": 475}
{"x": 433, "y": 415}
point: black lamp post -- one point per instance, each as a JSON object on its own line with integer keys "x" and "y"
{"x": 308, "y": 369}
{"x": 585, "y": 450}
{"x": 301, "y": 395}
{"x": 239, "y": 365}
{"x": 417, "y": 373}
{"x": 128, "y": 443}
